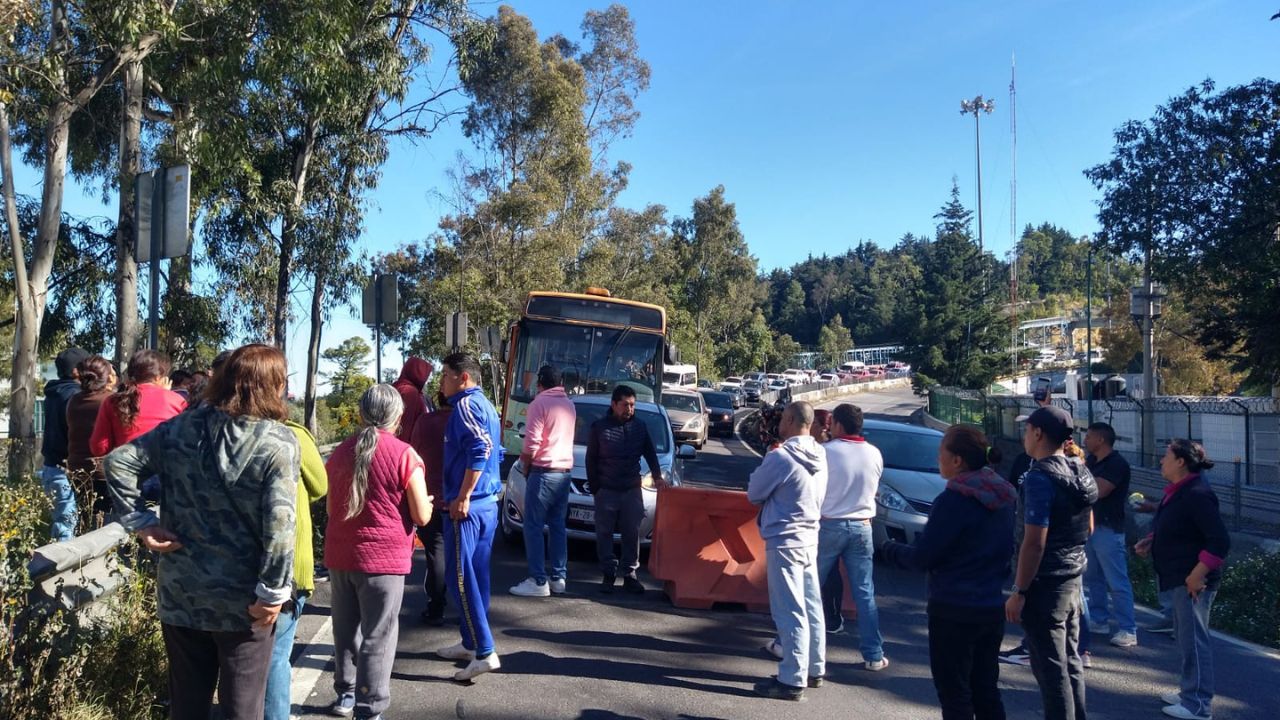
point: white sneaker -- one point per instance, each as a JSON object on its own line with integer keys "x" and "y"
{"x": 1178, "y": 711}
{"x": 877, "y": 665}
{"x": 1173, "y": 698}
{"x": 530, "y": 588}
{"x": 1124, "y": 639}
{"x": 456, "y": 652}
{"x": 478, "y": 667}
{"x": 557, "y": 586}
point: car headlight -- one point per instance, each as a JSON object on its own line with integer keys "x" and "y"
{"x": 646, "y": 481}
{"x": 694, "y": 424}
{"x": 891, "y": 499}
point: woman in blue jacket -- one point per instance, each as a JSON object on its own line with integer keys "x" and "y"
{"x": 966, "y": 548}
{"x": 1187, "y": 545}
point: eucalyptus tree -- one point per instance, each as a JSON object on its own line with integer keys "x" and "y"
{"x": 60, "y": 57}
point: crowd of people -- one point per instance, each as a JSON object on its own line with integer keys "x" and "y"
{"x": 1058, "y": 528}
{"x": 211, "y": 475}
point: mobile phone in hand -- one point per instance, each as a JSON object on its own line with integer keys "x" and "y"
{"x": 1041, "y": 391}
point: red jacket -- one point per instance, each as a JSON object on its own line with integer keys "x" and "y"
{"x": 413, "y": 377}
{"x": 155, "y": 405}
{"x": 428, "y": 440}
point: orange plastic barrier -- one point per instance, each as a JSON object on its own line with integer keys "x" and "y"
{"x": 707, "y": 549}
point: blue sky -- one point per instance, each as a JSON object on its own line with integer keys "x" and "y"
{"x": 829, "y": 123}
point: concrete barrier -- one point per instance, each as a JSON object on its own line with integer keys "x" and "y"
{"x": 77, "y": 574}
{"x": 839, "y": 391}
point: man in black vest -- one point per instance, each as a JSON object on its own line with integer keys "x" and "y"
{"x": 1056, "y": 500}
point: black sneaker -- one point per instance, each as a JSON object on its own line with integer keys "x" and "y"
{"x": 775, "y": 690}
{"x": 632, "y": 585}
{"x": 816, "y": 682}
{"x": 606, "y": 585}
{"x": 432, "y": 618}
{"x": 1016, "y": 656}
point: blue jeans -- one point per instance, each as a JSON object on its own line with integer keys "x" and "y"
{"x": 851, "y": 541}
{"x": 546, "y": 502}
{"x": 795, "y": 602}
{"x": 1191, "y": 623}
{"x": 1107, "y": 577}
{"x": 280, "y": 673}
{"x": 62, "y": 521}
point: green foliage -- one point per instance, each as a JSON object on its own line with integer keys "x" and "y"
{"x": 833, "y": 340}
{"x": 352, "y": 359}
{"x": 954, "y": 334}
{"x": 1248, "y": 603}
{"x": 51, "y": 664}
{"x": 1195, "y": 184}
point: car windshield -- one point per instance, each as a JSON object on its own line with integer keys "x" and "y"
{"x": 717, "y": 399}
{"x": 682, "y": 403}
{"x": 589, "y": 413}
{"x": 906, "y": 451}
{"x": 751, "y": 385}
{"x": 590, "y": 359}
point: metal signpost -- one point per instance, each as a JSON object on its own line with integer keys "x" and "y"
{"x": 380, "y": 303}
{"x": 162, "y": 228}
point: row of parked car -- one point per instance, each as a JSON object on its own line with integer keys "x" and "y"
{"x": 682, "y": 422}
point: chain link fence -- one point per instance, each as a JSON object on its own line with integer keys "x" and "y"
{"x": 1241, "y": 435}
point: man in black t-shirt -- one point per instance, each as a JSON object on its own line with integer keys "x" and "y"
{"x": 1107, "y": 586}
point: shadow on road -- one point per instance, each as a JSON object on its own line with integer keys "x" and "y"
{"x": 535, "y": 663}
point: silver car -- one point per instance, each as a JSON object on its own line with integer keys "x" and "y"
{"x": 910, "y": 483}
{"x": 581, "y": 524}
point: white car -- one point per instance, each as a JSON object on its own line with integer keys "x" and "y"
{"x": 581, "y": 523}
{"x": 733, "y": 380}
{"x": 796, "y": 377}
{"x": 829, "y": 378}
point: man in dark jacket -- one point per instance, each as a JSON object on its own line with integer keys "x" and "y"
{"x": 62, "y": 524}
{"x": 1056, "y": 500}
{"x": 614, "y": 448}
{"x": 413, "y": 377}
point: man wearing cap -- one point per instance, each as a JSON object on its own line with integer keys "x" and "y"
{"x": 1056, "y": 502}
{"x": 62, "y": 523}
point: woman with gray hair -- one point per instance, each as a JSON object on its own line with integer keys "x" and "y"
{"x": 377, "y": 494}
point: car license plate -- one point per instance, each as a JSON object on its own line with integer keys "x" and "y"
{"x": 582, "y": 514}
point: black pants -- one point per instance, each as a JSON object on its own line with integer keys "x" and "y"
{"x": 964, "y": 658}
{"x": 1051, "y": 620}
{"x": 432, "y": 537}
{"x": 235, "y": 662}
{"x": 619, "y": 511}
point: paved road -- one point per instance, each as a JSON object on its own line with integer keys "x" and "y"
{"x": 590, "y": 657}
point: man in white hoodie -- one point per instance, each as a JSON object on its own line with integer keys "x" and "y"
{"x": 789, "y": 486}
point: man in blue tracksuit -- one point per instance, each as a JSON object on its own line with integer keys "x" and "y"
{"x": 472, "y": 483}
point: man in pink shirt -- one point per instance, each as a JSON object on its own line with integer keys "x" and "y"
{"x": 547, "y": 459}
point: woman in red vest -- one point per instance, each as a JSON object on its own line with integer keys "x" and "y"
{"x": 377, "y": 493}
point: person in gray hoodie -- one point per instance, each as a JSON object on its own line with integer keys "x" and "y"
{"x": 225, "y": 533}
{"x": 789, "y": 487}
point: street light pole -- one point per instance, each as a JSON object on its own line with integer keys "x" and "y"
{"x": 1088, "y": 324}
{"x": 976, "y": 107}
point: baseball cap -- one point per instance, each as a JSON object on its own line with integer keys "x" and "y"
{"x": 1054, "y": 421}
{"x": 68, "y": 359}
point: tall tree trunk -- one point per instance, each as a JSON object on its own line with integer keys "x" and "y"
{"x": 289, "y": 234}
{"x": 31, "y": 285}
{"x": 313, "y": 351}
{"x": 130, "y": 166}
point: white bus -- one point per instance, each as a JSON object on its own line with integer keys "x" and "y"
{"x": 680, "y": 376}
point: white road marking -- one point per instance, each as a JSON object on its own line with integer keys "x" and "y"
{"x": 311, "y": 664}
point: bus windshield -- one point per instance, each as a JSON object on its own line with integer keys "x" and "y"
{"x": 590, "y": 359}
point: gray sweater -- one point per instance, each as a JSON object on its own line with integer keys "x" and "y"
{"x": 790, "y": 485}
